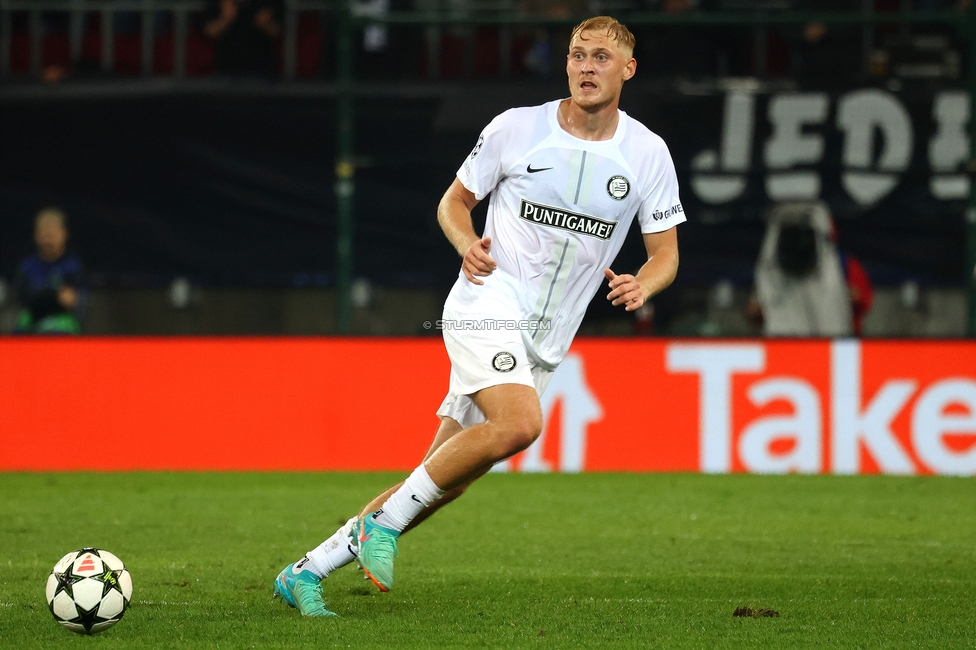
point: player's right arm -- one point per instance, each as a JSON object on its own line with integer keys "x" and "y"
{"x": 454, "y": 217}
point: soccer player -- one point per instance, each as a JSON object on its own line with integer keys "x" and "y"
{"x": 566, "y": 180}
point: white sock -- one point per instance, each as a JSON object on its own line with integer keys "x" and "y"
{"x": 335, "y": 552}
{"x": 416, "y": 493}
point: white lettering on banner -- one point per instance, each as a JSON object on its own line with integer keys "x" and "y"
{"x": 856, "y": 423}
{"x": 715, "y": 365}
{"x": 804, "y": 426}
{"x": 950, "y": 147}
{"x": 789, "y": 145}
{"x": 720, "y": 175}
{"x": 930, "y": 424}
{"x": 870, "y": 426}
{"x": 580, "y": 408}
{"x": 860, "y": 114}
{"x": 720, "y": 180}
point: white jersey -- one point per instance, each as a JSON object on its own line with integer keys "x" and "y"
{"x": 560, "y": 209}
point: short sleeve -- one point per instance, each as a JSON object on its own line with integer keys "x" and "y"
{"x": 661, "y": 208}
{"x": 483, "y": 169}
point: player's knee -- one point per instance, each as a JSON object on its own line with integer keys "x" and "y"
{"x": 522, "y": 432}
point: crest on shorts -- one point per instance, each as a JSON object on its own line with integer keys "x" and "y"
{"x": 618, "y": 188}
{"x": 503, "y": 362}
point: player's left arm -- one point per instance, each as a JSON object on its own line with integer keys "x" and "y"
{"x": 653, "y": 277}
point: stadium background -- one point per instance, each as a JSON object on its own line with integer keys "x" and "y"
{"x": 303, "y": 205}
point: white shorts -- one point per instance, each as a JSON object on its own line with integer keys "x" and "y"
{"x": 481, "y": 358}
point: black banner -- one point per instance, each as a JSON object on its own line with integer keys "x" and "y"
{"x": 236, "y": 189}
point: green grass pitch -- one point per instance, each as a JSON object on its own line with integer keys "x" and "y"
{"x": 547, "y": 561}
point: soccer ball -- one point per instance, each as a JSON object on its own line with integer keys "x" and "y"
{"x": 89, "y": 590}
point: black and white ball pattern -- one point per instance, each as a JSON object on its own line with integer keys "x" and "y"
{"x": 89, "y": 590}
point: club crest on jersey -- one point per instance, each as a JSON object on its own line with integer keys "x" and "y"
{"x": 477, "y": 147}
{"x": 584, "y": 224}
{"x": 618, "y": 188}
{"x": 503, "y": 362}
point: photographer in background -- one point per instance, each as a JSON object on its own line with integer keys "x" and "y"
{"x": 802, "y": 288}
{"x": 48, "y": 285}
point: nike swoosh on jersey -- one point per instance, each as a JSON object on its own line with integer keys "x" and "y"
{"x": 540, "y": 169}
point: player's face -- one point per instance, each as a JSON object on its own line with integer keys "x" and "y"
{"x": 597, "y": 67}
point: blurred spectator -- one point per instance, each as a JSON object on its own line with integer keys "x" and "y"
{"x": 244, "y": 33}
{"x": 539, "y": 59}
{"x": 801, "y": 289}
{"x": 826, "y": 55}
{"x": 555, "y": 8}
{"x": 678, "y": 51}
{"x": 49, "y": 284}
{"x": 941, "y": 5}
{"x": 55, "y": 23}
{"x": 860, "y": 287}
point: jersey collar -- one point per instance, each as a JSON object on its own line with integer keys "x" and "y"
{"x": 618, "y": 134}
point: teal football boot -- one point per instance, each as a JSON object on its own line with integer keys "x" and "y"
{"x": 377, "y": 548}
{"x": 302, "y": 590}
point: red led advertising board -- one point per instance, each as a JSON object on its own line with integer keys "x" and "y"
{"x": 769, "y": 406}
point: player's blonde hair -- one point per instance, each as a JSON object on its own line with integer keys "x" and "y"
{"x": 610, "y": 26}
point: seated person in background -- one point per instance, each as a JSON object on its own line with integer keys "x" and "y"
{"x": 244, "y": 34}
{"x": 48, "y": 284}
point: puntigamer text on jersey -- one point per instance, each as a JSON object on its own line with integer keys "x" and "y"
{"x": 581, "y": 223}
